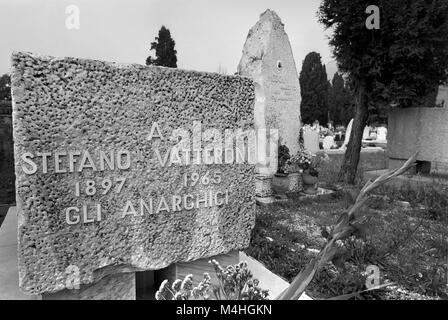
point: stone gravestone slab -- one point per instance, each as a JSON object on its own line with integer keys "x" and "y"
{"x": 348, "y": 132}
{"x": 126, "y": 167}
{"x": 442, "y": 96}
{"x": 311, "y": 139}
{"x": 267, "y": 59}
{"x": 328, "y": 143}
{"x": 381, "y": 134}
{"x": 366, "y": 133}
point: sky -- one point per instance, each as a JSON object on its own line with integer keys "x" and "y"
{"x": 209, "y": 34}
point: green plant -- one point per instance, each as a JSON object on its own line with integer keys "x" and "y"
{"x": 166, "y": 55}
{"x": 235, "y": 282}
{"x": 314, "y": 88}
{"x": 299, "y": 161}
{"x": 184, "y": 290}
{"x": 283, "y": 157}
{"x": 315, "y": 164}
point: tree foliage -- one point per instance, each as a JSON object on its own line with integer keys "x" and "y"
{"x": 404, "y": 60}
{"x": 164, "y": 50}
{"x": 314, "y": 90}
{"x": 5, "y": 87}
{"x": 399, "y": 64}
{"x": 341, "y": 107}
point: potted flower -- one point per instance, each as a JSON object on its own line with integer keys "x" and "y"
{"x": 280, "y": 179}
{"x": 294, "y": 167}
{"x": 310, "y": 175}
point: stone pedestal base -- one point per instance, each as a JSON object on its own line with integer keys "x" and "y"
{"x": 263, "y": 188}
{"x": 119, "y": 286}
{"x": 263, "y": 185}
{"x": 295, "y": 182}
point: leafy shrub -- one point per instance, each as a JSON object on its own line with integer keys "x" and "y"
{"x": 283, "y": 157}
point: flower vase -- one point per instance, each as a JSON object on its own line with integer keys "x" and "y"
{"x": 309, "y": 183}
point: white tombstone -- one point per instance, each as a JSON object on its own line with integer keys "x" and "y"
{"x": 381, "y": 134}
{"x": 366, "y": 133}
{"x": 328, "y": 142}
{"x": 311, "y": 139}
{"x": 442, "y": 96}
{"x": 347, "y": 134}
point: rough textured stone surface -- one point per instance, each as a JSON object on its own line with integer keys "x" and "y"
{"x": 66, "y": 104}
{"x": 311, "y": 139}
{"x": 295, "y": 182}
{"x": 263, "y": 185}
{"x": 420, "y": 129}
{"x": 112, "y": 287}
{"x": 9, "y": 273}
{"x": 268, "y": 60}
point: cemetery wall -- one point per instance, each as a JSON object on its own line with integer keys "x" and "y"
{"x": 419, "y": 129}
{"x": 375, "y": 159}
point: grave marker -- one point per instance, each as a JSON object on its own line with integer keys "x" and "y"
{"x": 311, "y": 139}
{"x": 381, "y": 134}
{"x": 328, "y": 143}
{"x": 348, "y": 132}
{"x": 123, "y": 168}
{"x": 268, "y": 60}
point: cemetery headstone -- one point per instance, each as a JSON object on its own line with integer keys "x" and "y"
{"x": 442, "y": 96}
{"x": 268, "y": 60}
{"x": 328, "y": 142}
{"x": 381, "y": 134}
{"x": 366, "y": 133}
{"x": 348, "y": 131}
{"x": 311, "y": 139}
{"x": 126, "y": 167}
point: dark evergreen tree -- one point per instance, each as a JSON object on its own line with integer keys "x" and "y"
{"x": 314, "y": 90}
{"x": 341, "y": 106}
{"x": 400, "y": 64}
{"x": 164, "y": 50}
